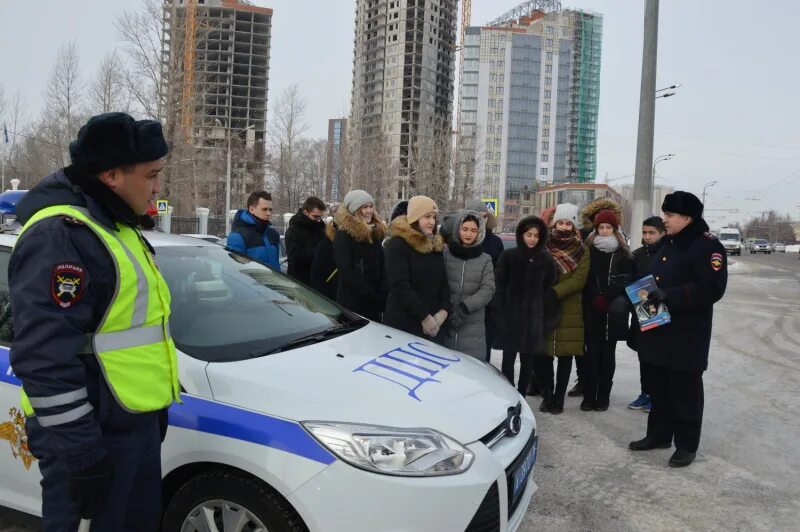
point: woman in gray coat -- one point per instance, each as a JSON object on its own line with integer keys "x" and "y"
{"x": 470, "y": 275}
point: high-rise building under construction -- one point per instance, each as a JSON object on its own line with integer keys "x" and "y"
{"x": 529, "y": 96}
{"x": 215, "y": 74}
{"x": 402, "y": 95}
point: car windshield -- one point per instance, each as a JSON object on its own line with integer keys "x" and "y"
{"x": 729, "y": 236}
{"x": 761, "y": 242}
{"x": 227, "y": 307}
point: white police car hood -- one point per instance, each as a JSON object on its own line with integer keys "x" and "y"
{"x": 375, "y": 375}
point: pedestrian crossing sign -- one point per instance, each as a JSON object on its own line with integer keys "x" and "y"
{"x": 491, "y": 204}
{"x": 162, "y": 205}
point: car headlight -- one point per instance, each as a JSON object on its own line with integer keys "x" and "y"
{"x": 393, "y": 451}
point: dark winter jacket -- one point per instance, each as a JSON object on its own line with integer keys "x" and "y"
{"x": 599, "y": 292}
{"x": 358, "y": 252}
{"x": 256, "y": 239}
{"x": 692, "y": 268}
{"x": 522, "y": 276}
{"x": 302, "y": 238}
{"x": 471, "y": 277}
{"x": 567, "y": 339}
{"x": 418, "y": 284}
{"x": 493, "y": 246}
{"x": 324, "y": 275}
{"x": 642, "y": 259}
{"x": 49, "y": 341}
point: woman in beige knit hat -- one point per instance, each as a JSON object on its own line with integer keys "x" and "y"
{"x": 419, "y": 295}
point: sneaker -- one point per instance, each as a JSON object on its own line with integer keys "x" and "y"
{"x": 576, "y": 390}
{"x": 640, "y": 403}
{"x": 648, "y": 406}
{"x": 681, "y": 459}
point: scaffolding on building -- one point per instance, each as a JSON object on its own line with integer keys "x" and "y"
{"x": 525, "y": 9}
{"x": 585, "y": 96}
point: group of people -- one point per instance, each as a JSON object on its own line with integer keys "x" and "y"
{"x": 96, "y": 413}
{"x": 558, "y": 294}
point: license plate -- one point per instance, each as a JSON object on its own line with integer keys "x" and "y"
{"x": 524, "y": 470}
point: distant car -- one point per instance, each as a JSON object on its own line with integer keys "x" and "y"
{"x": 779, "y": 248}
{"x": 509, "y": 240}
{"x": 760, "y": 246}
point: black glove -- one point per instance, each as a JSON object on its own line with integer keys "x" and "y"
{"x": 618, "y": 306}
{"x": 90, "y": 487}
{"x": 622, "y": 280}
{"x": 456, "y": 318}
{"x": 656, "y": 297}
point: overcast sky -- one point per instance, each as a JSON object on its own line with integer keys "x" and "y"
{"x": 735, "y": 119}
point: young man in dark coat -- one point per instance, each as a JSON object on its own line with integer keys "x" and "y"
{"x": 522, "y": 276}
{"x": 419, "y": 294}
{"x": 691, "y": 273}
{"x": 358, "y": 251}
{"x": 652, "y": 233}
{"x": 492, "y": 246}
{"x": 306, "y": 230}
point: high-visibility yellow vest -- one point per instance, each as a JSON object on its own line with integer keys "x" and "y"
{"x": 132, "y": 342}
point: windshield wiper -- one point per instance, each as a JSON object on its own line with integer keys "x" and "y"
{"x": 311, "y": 339}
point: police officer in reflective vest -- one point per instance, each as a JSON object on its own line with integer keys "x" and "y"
{"x": 92, "y": 346}
{"x": 691, "y": 273}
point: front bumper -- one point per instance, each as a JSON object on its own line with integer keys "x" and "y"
{"x": 344, "y": 498}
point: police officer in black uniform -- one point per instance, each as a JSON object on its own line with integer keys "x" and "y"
{"x": 691, "y": 274}
{"x": 99, "y": 461}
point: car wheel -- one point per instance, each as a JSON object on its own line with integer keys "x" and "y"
{"x": 226, "y": 501}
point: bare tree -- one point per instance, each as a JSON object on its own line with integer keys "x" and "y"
{"x": 108, "y": 90}
{"x": 430, "y": 164}
{"x": 63, "y": 103}
{"x": 141, "y": 32}
{"x": 286, "y": 130}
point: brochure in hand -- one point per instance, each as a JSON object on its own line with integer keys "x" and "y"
{"x": 649, "y": 315}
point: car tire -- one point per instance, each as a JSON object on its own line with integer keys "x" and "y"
{"x": 241, "y": 493}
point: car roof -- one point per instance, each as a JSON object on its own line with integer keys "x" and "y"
{"x": 156, "y": 238}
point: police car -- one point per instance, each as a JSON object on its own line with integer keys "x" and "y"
{"x": 299, "y": 415}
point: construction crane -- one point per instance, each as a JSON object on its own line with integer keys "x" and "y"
{"x": 187, "y": 95}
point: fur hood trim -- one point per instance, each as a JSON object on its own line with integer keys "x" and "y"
{"x": 330, "y": 230}
{"x": 597, "y": 205}
{"x": 358, "y": 229}
{"x": 417, "y": 240}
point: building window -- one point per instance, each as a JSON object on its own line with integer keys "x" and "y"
{"x": 549, "y": 30}
{"x": 547, "y": 106}
{"x": 548, "y": 69}
{"x": 549, "y": 43}
{"x": 545, "y": 146}
{"x": 545, "y": 157}
{"x": 548, "y": 93}
{"x": 548, "y": 81}
{"x": 549, "y": 56}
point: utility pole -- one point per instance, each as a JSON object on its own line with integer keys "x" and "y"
{"x": 643, "y": 184}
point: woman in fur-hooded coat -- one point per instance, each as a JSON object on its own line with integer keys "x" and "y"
{"x": 358, "y": 250}
{"x": 418, "y": 287}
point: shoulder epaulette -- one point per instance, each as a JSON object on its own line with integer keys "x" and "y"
{"x": 70, "y": 220}
{"x": 710, "y": 236}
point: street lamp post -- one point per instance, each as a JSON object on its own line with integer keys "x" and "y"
{"x": 228, "y": 180}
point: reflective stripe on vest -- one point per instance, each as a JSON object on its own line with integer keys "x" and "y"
{"x": 132, "y": 343}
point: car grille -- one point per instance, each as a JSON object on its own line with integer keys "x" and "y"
{"x": 487, "y": 518}
{"x": 513, "y": 501}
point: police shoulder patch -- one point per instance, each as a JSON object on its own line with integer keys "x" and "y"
{"x": 67, "y": 283}
{"x": 716, "y": 261}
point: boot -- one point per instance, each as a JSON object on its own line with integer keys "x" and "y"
{"x": 558, "y": 404}
{"x": 547, "y": 401}
{"x": 533, "y": 389}
{"x": 576, "y": 390}
{"x": 648, "y": 444}
{"x": 681, "y": 459}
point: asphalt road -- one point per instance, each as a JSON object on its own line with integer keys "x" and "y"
{"x": 747, "y": 474}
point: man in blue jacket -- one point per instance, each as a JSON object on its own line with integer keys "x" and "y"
{"x": 252, "y": 233}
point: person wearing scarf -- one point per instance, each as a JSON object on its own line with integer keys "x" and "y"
{"x": 471, "y": 276}
{"x": 610, "y": 260}
{"x": 565, "y": 339}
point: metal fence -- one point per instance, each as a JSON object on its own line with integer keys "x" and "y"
{"x": 189, "y": 225}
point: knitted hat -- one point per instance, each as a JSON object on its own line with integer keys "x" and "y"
{"x": 686, "y": 203}
{"x": 110, "y": 140}
{"x": 606, "y": 216}
{"x": 355, "y": 199}
{"x": 566, "y": 211}
{"x": 419, "y": 206}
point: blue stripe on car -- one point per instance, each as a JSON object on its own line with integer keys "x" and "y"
{"x": 221, "y": 419}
